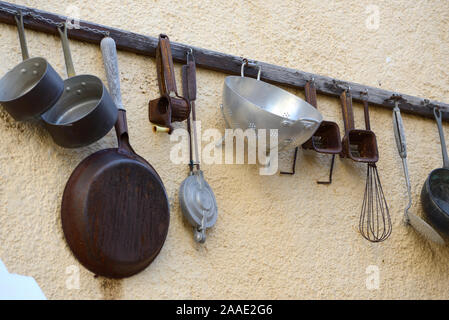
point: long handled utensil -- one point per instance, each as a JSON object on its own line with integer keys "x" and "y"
{"x": 115, "y": 212}
{"x": 361, "y": 146}
{"x": 327, "y": 138}
{"x": 169, "y": 107}
{"x": 197, "y": 200}
{"x": 412, "y": 219}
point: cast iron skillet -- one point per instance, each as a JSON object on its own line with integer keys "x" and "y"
{"x": 435, "y": 192}
{"x": 115, "y": 212}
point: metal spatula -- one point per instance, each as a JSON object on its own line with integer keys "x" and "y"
{"x": 416, "y": 222}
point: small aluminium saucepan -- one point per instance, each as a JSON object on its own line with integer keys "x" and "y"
{"x": 31, "y": 87}
{"x": 435, "y": 192}
{"x": 85, "y": 112}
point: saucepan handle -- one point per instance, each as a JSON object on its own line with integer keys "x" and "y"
{"x": 109, "y": 52}
{"x": 67, "y": 53}
{"x": 22, "y": 39}
{"x": 438, "y": 117}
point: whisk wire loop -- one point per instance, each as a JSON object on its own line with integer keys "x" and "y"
{"x": 375, "y": 221}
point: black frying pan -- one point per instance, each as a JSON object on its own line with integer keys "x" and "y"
{"x": 115, "y": 212}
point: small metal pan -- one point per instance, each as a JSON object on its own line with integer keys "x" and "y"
{"x": 358, "y": 145}
{"x": 31, "y": 87}
{"x": 85, "y": 112}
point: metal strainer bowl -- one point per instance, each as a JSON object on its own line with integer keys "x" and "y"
{"x": 250, "y": 103}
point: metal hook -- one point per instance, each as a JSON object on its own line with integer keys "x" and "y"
{"x": 330, "y": 172}
{"x": 364, "y": 95}
{"x": 245, "y": 62}
{"x": 189, "y": 55}
{"x": 294, "y": 164}
{"x": 436, "y": 111}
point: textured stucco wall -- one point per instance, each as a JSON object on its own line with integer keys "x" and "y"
{"x": 276, "y": 236}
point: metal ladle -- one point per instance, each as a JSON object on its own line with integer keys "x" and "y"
{"x": 416, "y": 222}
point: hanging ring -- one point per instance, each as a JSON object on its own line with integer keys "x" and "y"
{"x": 251, "y": 64}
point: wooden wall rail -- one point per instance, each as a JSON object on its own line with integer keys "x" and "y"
{"x": 145, "y": 45}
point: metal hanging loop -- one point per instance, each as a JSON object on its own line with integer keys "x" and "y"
{"x": 247, "y": 63}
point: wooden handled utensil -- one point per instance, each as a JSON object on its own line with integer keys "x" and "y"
{"x": 170, "y": 106}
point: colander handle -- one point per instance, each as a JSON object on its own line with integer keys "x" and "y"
{"x": 251, "y": 64}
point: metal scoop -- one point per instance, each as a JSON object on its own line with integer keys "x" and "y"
{"x": 416, "y": 222}
{"x": 358, "y": 145}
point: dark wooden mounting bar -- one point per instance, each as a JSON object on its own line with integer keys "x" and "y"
{"x": 146, "y": 45}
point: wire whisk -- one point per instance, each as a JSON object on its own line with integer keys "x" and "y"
{"x": 375, "y": 222}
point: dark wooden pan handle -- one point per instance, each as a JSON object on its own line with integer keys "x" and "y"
{"x": 165, "y": 69}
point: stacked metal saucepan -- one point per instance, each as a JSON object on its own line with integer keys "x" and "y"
{"x": 76, "y": 112}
